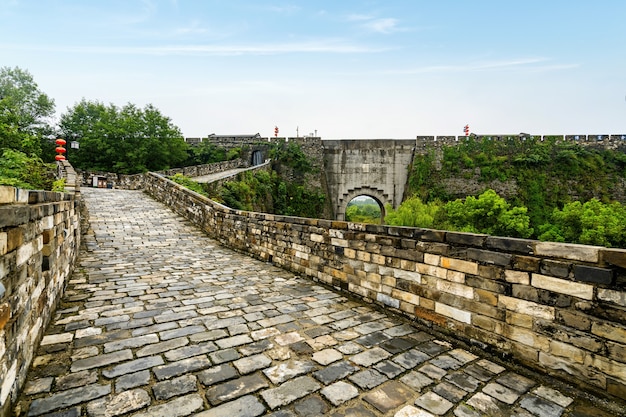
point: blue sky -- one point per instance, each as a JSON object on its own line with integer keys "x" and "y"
{"x": 341, "y": 68}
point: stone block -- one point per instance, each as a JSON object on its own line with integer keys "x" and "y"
{"x": 575, "y": 289}
{"x": 615, "y": 257}
{"x": 610, "y": 331}
{"x": 7, "y": 194}
{"x": 469, "y": 239}
{"x": 517, "y": 277}
{"x": 612, "y": 296}
{"x": 247, "y": 406}
{"x": 527, "y": 307}
{"x": 592, "y": 274}
{"x": 453, "y": 313}
{"x": 526, "y": 337}
{"x": 582, "y": 253}
{"x": 459, "y": 265}
{"x": 456, "y": 289}
{"x": 526, "y": 263}
{"x": 290, "y": 391}
{"x": 508, "y": 244}
{"x": 489, "y": 257}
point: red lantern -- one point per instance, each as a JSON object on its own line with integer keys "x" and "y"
{"x": 60, "y": 150}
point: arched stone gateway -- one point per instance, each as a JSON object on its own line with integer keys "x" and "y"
{"x": 378, "y": 195}
{"x": 375, "y": 168}
{"x": 257, "y": 158}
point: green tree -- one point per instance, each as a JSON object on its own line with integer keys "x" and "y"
{"x": 589, "y": 223}
{"x": 207, "y": 153}
{"x": 126, "y": 140}
{"x": 24, "y": 114}
{"x": 490, "y": 214}
{"x": 20, "y": 170}
{"x": 413, "y": 212}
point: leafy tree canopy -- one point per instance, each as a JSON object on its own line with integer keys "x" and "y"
{"x": 490, "y": 214}
{"x": 591, "y": 223}
{"x": 126, "y": 140}
{"x": 413, "y": 212}
{"x": 24, "y": 114}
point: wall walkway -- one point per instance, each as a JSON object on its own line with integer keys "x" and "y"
{"x": 558, "y": 308}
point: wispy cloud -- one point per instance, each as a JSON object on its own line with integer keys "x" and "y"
{"x": 322, "y": 46}
{"x": 522, "y": 64}
{"x": 288, "y": 8}
{"x": 384, "y": 25}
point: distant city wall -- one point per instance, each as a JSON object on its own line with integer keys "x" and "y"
{"x": 598, "y": 140}
{"x": 559, "y": 308}
{"x": 135, "y": 181}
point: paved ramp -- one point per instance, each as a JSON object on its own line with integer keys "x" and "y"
{"x": 159, "y": 320}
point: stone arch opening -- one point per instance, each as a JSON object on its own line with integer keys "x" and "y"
{"x": 365, "y": 209}
{"x": 379, "y": 196}
{"x": 257, "y": 158}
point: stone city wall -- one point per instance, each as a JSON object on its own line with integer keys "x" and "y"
{"x": 559, "y": 308}
{"x": 599, "y": 140}
{"x": 39, "y": 242}
{"x": 135, "y": 182}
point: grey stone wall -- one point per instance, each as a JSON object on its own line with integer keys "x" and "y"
{"x": 559, "y": 308}
{"x": 378, "y": 168}
{"x": 39, "y": 242}
{"x": 605, "y": 141}
{"x": 135, "y": 182}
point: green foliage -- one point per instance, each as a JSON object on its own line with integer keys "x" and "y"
{"x": 591, "y": 223}
{"x": 208, "y": 153}
{"x": 189, "y": 183}
{"x": 59, "y": 185}
{"x": 490, "y": 214}
{"x": 413, "y": 212}
{"x": 363, "y": 211}
{"x": 25, "y": 114}
{"x": 266, "y": 192}
{"x": 547, "y": 173}
{"x": 125, "y": 140}
{"x": 291, "y": 155}
{"x": 20, "y": 170}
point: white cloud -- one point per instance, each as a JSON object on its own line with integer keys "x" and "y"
{"x": 385, "y": 25}
{"x": 526, "y": 64}
{"x": 319, "y": 46}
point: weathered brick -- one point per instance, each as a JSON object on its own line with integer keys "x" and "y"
{"x": 527, "y": 307}
{"x": 610, "y": 331}
{"x": 567, "y": 251}
{"x": 575, "y": 289}
{"x": 596, "y": 275}
{"x": 460, "y": 265}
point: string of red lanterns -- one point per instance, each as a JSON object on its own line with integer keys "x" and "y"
{"x": 60, "y": 150}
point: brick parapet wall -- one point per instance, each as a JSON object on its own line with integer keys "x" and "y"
{"x": 135, "y": 182}
{"x": 613, "y": 142}
{"x": 559, "y": 308}
{"x": 39, "y": 241}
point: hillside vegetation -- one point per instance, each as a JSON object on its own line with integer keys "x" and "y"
{"x": 283, "y": 189}
{"x": 549, "y": 189}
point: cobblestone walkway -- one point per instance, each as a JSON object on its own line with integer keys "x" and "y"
{"x": 159, "y": 320}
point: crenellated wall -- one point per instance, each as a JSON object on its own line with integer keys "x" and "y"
{"x": 598, "y": 140}
{"x": 559, "y": 308}
{"x": 39, "y": 242}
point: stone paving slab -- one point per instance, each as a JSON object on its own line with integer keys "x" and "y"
{"x": 159, "y": 320}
